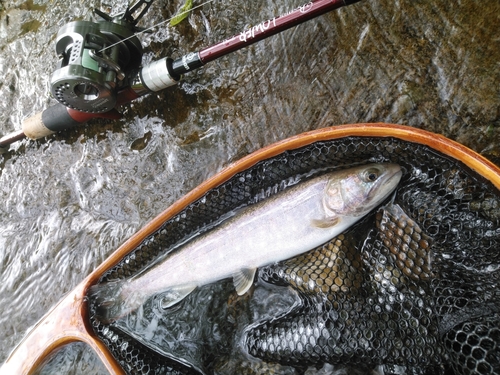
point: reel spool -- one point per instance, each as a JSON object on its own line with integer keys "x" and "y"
{"x": 94, "y": 61}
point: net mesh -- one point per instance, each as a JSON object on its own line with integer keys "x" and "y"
{"x": 413, "y": 288}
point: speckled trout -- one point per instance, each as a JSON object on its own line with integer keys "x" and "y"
{"x": 279, "y": 227}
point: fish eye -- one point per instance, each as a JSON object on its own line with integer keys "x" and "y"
{"x": 370, "y": 175}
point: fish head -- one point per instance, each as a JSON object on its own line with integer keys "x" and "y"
{"x": 358, "y": 190}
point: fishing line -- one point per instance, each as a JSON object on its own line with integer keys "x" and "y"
{"x": 158, "y": 24}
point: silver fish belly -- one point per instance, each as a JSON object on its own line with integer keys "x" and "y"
{"x": 280, "y": 227}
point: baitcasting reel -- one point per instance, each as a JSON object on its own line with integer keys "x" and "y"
{"x": 95, "y": 59}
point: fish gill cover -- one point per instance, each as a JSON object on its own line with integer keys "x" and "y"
{"x": 411, "y": 289}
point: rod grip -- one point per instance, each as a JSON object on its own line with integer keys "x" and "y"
{"x": 34, "y": 128}
{"x": 49, "y": 121}
{"x": 57, "y": 118}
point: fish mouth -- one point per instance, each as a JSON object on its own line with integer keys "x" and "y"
{"x": 394, "y": 172}
{"x": 388, "y": 181}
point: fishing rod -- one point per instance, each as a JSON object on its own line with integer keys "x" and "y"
{"x": 99, "y": 66}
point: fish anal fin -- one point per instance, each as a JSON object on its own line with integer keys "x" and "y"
{"x": 325, "y": 223}
{"x": 175, "y": 295}
{"x": 243, "y": 280}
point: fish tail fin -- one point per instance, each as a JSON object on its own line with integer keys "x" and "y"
{"x": 112, "y": 301}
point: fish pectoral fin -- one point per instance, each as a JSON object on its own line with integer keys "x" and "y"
{"x": 326, "y": 222}
{"x": 243, "y": 280}
{"x": 175, "y": 295}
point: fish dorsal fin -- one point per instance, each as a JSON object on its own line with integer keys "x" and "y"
{"x": 175, "y": 295}
{"x": 243, "y": 280}
{"x": 326, "y": 222}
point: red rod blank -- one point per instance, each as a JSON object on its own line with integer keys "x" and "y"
{"x": 271, "y": 27}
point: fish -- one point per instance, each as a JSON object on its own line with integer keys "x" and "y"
{"x": 282, "y": 226}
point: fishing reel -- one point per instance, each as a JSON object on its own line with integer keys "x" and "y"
{"x": 96, "y": 59}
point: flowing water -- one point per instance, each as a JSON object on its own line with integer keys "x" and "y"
{"x": 68, "y": 201}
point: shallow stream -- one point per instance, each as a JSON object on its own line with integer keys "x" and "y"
{"x": 67, "y": 202}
